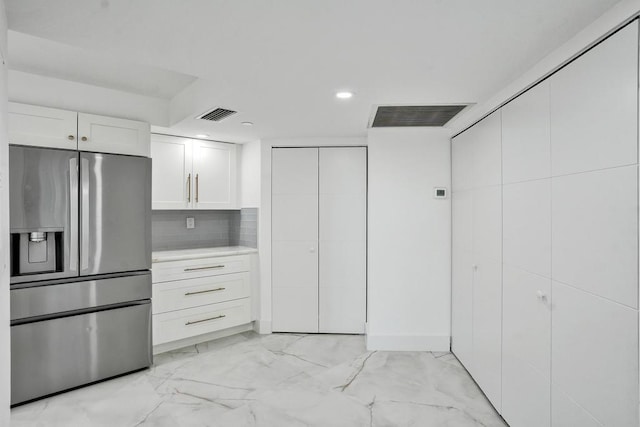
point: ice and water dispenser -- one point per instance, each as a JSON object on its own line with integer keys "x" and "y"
{"x": 43, "y": 205}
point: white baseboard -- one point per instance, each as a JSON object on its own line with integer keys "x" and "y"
{"x": 408, "y": 343}
{"x": 174, "y": 345}
{"x": 262, "y": 326}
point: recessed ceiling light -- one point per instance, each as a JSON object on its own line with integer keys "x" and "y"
{"x": 344, "y": 95}
{"x": 247, "y": 123}
{"x": 202, "y": 135}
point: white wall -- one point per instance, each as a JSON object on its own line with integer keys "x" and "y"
{"x": 51, "y": 92}
{"x": 409, "y": 279}
{"x": 5, "y": 355}
{"x": 250, "y": 175}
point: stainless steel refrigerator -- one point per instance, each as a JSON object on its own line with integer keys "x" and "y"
{"x": 80, "y": 259}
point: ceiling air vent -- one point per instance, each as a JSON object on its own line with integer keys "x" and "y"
{"x": 217, "y": 115}
{"x": 414, "y": 115}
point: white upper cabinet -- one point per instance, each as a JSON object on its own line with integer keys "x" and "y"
{"x": 110, "y": 135}
{"x": 526, "y": 140}
{"x": 193, "y": 174}
{"x": 214, "y": 175}
{"x": 594, "y": 107}
{"x": 54, "y": 128}
{"x": 42, "y": 126}
{"x": 171, "y": 172}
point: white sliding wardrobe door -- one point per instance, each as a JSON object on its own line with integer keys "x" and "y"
{"x": 294, "y": 247}
{"x": 343, "y": 245}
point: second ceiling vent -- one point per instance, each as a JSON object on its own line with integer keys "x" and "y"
{"x": 414, "y": 115}
{"x": 217, "y": 114}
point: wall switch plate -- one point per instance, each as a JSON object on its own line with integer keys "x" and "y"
{"x": 439, "y": 193}
{"x": 191, "y": 222}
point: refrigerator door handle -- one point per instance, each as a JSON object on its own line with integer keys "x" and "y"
{"x": 84, "y": 210}
{"x": 73, "y": 214}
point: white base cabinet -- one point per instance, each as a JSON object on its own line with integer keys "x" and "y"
{"x": 54, "y": 128}
{"x": 197, "y": 297}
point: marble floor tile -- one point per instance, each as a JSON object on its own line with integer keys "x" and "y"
{"x": 276, "y": 380}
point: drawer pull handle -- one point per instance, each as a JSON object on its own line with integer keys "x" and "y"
{"x": 211, "y": 267}
{"x": 204, "y": 292}
{"x": 204, "y": 320}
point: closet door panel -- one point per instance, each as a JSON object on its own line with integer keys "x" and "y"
{"x": 295, "y": 240}
{"x": 342, "y": 235}
{"x": 594, "y": 107}
{"x": 486, "y": 144}
{"x": 487, "y": 327}
{"x": 487, "y": 222}
{"x": 462, "y": 162}
{"x": 527, "y": 226}
{"x": 526, "y": 348}
{"x": 526, "y": 140}
{"x": 595, "y": 233}
{"x": 595, "y": 355}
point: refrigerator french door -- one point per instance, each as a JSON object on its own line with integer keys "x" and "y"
{"x": 80, "y": 259}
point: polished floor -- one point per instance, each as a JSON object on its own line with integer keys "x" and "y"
{"x": 276, "y": 380}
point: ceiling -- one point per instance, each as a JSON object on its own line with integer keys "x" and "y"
{"x": 280, "y": 62}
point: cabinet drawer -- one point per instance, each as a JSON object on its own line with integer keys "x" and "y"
{"x": 177, "y": 295}
{"x": 194, "y": 268}
{"x": 176, "y": 325}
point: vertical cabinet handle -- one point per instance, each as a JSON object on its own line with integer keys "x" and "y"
{"x": 189, "y": 189}
{"x": 197, "y": 188}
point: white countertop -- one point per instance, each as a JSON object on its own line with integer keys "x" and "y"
{"x": 182, "y": 254}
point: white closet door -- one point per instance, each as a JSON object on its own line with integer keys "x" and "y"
{"x": 487, "y": 291}
{"x": 343, "y": 233}
{"x": 294, "y": 247}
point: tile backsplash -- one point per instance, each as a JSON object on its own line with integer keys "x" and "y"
{"x": 212, "y": 229}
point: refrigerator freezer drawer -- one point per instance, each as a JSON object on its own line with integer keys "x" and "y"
{"x": 78, "y": 295}
{"x": 59, "y": 354}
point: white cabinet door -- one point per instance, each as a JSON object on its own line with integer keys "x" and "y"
{"x": 110, "y": 135}
{"x": 215, "y": 175}
{"x": 487, "y": 291}
{"x": 486, "y": 144}
{"x": 594, "y": 359}
{"x": 595, "y": 232}
{"x": 171, "y": 172}
{"x": 42, "y": 127}
{"x": 342, "y": 239}
{"x": 486, "y": 367}
{"x": 526, "y": 348}
{"x": 462, "y": 277}
{"x": 294, "y": 258}
{"x": 526, "y": 213}
{"x": 462, "y": 161}
{"x": 594, "y": 107}
{"x": 526, "y": 139}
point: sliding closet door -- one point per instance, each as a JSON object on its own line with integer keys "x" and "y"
{"x": 294, "y": 247}
{"x": 343, "y": 245}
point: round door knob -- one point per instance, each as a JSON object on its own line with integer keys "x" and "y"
{"x": 312, "y": 249}
{"x": 541, "y": 295}
{"x": 475, "y": 267}
{"x": 84, "y": 138}
{"x": 71, "y": 137}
